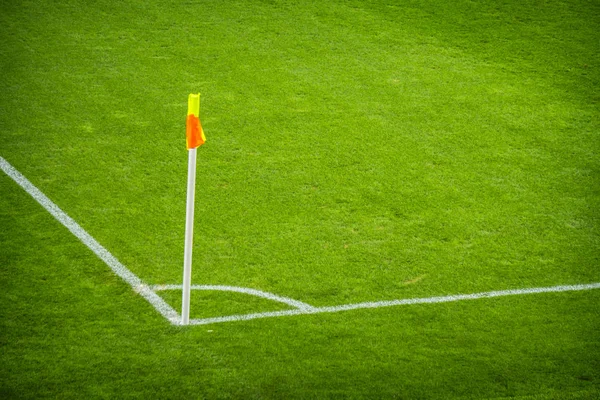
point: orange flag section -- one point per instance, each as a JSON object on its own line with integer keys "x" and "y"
{"x": 193, "y": 132}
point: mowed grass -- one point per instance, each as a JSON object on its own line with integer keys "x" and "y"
{"x": 357, "y": 151}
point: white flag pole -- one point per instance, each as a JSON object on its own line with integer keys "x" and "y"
{"x": 189, "y": 235}
{"x": 194, "y": 137}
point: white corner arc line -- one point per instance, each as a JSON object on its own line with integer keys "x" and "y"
{"x": 136, "y": 283}
{"x": 391, "y": 303}
{"x": 253, "y": 292}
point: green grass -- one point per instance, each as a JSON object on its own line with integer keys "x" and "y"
{"x": 357, "y": 151}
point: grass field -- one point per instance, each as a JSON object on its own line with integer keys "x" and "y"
{"x": 358, "y": 151}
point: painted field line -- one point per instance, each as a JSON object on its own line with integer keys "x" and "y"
{"x": 253, "y": 292}
{"x": 136, "y": 283}
{"x": 391, "y": 303}
{"x": 148, "y": 292}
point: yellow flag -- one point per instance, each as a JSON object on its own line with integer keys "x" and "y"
{"x": 194, "y": 133}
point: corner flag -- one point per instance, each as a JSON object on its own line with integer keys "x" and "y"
{"x": 194, "y": 138}
{"x": 193, "y": 130}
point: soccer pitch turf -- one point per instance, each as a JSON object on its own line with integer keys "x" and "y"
{"x": 358, "y": 153}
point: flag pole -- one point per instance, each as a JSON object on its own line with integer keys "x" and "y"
{"x": 189, "y": 237}
{"x": 194, "y": 138}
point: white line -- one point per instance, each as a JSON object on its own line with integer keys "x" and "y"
{"x": 247, "y": 317}
{"x": 148, "y": 292}
{"x": 266, "y": 295}
{"x": 379, "y": 304}
{"x": 136, "y": 283}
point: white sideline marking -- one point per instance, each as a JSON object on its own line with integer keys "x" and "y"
{"x": 390, "y": 303}
{"x": 266, "y": 295}
{"x": 148, "y": 292}
{"x": 136, "y": 283}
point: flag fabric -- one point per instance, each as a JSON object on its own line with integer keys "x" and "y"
{"x": 193, "y": 130}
